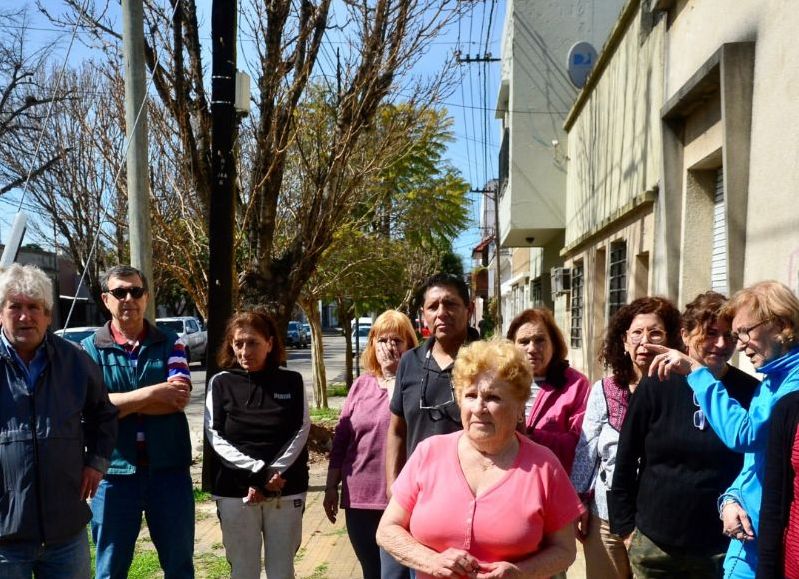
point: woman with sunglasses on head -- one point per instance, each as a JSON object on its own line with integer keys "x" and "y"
{"x": 644, "y": 321}
{"x": 358, "y": 456}
{"x": 765, "y": 322}
{"x": 555, "y": 408}
{"x": 671, "y": 467}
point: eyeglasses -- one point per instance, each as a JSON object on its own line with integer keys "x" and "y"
{"x": 436, "y": 411}
{"x": 652, "y": 336}
{"x": 742, "y": 335}
{"x": 700, "y": 422}
{"x": 120, "y": 292}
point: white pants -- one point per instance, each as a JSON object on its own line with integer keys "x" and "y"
{"x": 275, "y": 523}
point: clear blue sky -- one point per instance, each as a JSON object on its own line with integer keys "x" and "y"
{"x": 476, "y": 145}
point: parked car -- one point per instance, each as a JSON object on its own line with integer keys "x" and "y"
{"x": 76, "y": 334}
{"x": 191, "y": 331}
{"x": 363, "y": 338}
{"x": 296, "y": 336}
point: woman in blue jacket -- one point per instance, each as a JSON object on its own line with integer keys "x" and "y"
{"x": 765, "y": 322}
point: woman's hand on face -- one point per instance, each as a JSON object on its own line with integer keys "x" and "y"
{"x": 581, "y": 525}
{"x": 498, "y": 570}
{"x": 455, "y": 563}
{"x": 388, "y": 355}
{"x": 668, "y": 361}
{"x": 330, "y": 503}
{"x": 736, "y": 523}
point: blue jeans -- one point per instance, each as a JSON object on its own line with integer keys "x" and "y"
{"x": 166, "y": 499}
{"x": 66, "y": 560}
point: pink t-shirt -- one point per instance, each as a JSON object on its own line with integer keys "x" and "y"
{"x": 506, "y": 522}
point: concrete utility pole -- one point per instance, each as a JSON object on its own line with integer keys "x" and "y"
{"x": 498, "y": 276}
{"x": 493, "y": 195}
{"x": 141, "y": 241}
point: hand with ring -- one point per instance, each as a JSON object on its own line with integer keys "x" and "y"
{"x": 737, "y": 524}
{"x": 668, "y": 360}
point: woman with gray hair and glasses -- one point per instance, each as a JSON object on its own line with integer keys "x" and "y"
{"x": 765, "y": 320}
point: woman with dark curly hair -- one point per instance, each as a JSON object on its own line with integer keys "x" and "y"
{"x": 555, "y": 408}
{"x": 671, "y": 466}
{"x": 649, "y": 320}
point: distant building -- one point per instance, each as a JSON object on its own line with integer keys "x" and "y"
{"x": 534, "y": 98}
{"x": 65, "y": 283}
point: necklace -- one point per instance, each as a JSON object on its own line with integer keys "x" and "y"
{"x": 385, "y": 382}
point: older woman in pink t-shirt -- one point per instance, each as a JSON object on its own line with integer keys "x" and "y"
{"x": 484, "y": 503}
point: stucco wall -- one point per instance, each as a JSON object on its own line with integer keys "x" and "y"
{"x": 615, "y": 142}
{"x": 772, "y": 219}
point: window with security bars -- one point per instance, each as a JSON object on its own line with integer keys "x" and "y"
{"x": 536, "y": 293}
{"x": 577, "y": 306}
{"x": 617, "y": 287}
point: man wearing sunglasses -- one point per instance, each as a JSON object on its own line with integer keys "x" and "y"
{"x": 423, "y": 403}
{"x": 148, "y": 379}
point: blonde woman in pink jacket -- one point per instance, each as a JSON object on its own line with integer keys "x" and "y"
{"x": 556, "y": 406}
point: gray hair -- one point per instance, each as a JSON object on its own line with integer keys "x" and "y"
{"x": 28, "y": 281}
{"x": 122, "y": 271}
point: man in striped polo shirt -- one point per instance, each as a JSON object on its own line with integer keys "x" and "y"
{"x": 148, "y": 380}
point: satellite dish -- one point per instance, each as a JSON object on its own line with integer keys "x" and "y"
{"x": 582, "y": 57}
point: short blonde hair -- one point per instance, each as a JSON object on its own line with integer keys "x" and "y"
{"x": 496, "y": 355}
{"x": 390, "y": 321}
{"x": 768, "y": 300}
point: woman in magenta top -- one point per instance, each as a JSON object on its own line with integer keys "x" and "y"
{"x": 357, "y": 460}
{"x": 556, "y": 405}
{"x": 485, "y": 502}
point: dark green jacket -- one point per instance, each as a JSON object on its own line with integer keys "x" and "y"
{"x": 167, "y": 436}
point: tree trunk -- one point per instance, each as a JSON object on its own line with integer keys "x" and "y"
{"x": 345, "y": 319}
{"x": 317, "y": 355}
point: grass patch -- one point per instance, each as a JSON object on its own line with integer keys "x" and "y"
{"x": 211, "y": 566}
{"x": 200, "y": 496}
{"x": 324, "y": 414}
{"x": 300, "y": 554}
{"x": 145, "y": 565}
{"x": 320, "y": 572}
{"x": 336, "y": 389}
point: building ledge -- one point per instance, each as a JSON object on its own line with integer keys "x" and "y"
{"x": 644, "y": 200}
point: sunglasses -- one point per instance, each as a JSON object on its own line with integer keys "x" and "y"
{"x": 700, "y": 422}
{"x": 120, "y": 292}
{"x": 436, "y": 412}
